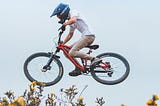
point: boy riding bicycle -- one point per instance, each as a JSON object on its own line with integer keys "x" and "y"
{"x": 75, "y": 21}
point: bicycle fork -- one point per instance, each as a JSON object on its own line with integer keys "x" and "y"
{"x": 48, "y": 65}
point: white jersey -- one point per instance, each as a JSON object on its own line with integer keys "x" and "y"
{"x": 80, "y": 25}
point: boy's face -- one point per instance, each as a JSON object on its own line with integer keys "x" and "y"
{"x": 59, "y": 16}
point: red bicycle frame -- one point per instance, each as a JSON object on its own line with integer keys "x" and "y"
{"x": 65, "y": 50}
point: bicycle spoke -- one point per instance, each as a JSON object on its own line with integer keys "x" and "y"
{"x": 117, "y": 71}
{"x": 35, "y": 69}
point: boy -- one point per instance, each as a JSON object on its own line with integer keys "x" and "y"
{"x": 75, "y": 21}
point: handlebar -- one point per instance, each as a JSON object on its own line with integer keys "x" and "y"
{"x": 63, "y": 28}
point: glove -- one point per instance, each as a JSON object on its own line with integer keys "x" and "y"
{"x": 63, "y": 28}
{"x": 61, "y": 42}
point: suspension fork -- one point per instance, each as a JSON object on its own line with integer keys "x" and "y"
{"x": 52, "y": 55}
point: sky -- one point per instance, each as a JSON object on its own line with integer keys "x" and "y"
{"x": 128, "y": 27}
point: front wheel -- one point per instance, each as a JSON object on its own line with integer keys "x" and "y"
{"x": 117, "y": 69}
{"x": 33, "y": 69}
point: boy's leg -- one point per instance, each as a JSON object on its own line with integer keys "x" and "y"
{"x": 84, "y": 41}
{"x": 74, "y": 52}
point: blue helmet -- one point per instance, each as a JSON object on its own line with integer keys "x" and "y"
{"x": 63, "y": 10}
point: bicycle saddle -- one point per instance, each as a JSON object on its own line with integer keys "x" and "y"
{"x": 93, "y": 47}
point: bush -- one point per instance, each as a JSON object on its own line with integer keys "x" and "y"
{"x": 33, "y": 96}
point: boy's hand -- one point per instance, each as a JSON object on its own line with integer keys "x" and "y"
{"x": 63, "y": 28}
{"x": 61, "y": 42}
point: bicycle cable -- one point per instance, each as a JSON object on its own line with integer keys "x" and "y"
{"x": 55, "y": 43}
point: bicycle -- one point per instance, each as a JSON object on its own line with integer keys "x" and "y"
{"x": 113, "y": 69}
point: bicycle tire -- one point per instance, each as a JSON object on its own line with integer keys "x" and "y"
{"x": 112, "y": 82}
{"x": 44, "y": 55}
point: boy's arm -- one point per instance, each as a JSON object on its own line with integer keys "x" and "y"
{"x": 68, "y": 37}
{"x": 70, "y": 21}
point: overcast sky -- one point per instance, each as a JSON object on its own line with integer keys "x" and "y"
{"x": 127, "y": 27}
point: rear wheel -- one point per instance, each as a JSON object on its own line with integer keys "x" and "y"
{"x": 33, "y": 69}
{"x": 117, "y": 71}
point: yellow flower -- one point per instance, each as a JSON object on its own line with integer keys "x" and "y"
{"x": 43, "y": 84}
{"x": 4, "y": 99}
{"x": 34, "y": 83}
{"x": 52, "y": 94}
{"x": 30, "y": 84}
{"x": 33, "y": 89}
{"x": 80, "y": 99}
{"x": 156, "y": 97}
{"x": 149, "y": 102}
{"x": 21, "y": 101}
{"x": 11, "y": 104}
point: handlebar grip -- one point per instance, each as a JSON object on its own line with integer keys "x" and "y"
{"x": 63, "y": 28}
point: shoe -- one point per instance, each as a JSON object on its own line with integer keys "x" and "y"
{"x": 75, "y": 72}
{"x": 95, "y": 61}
